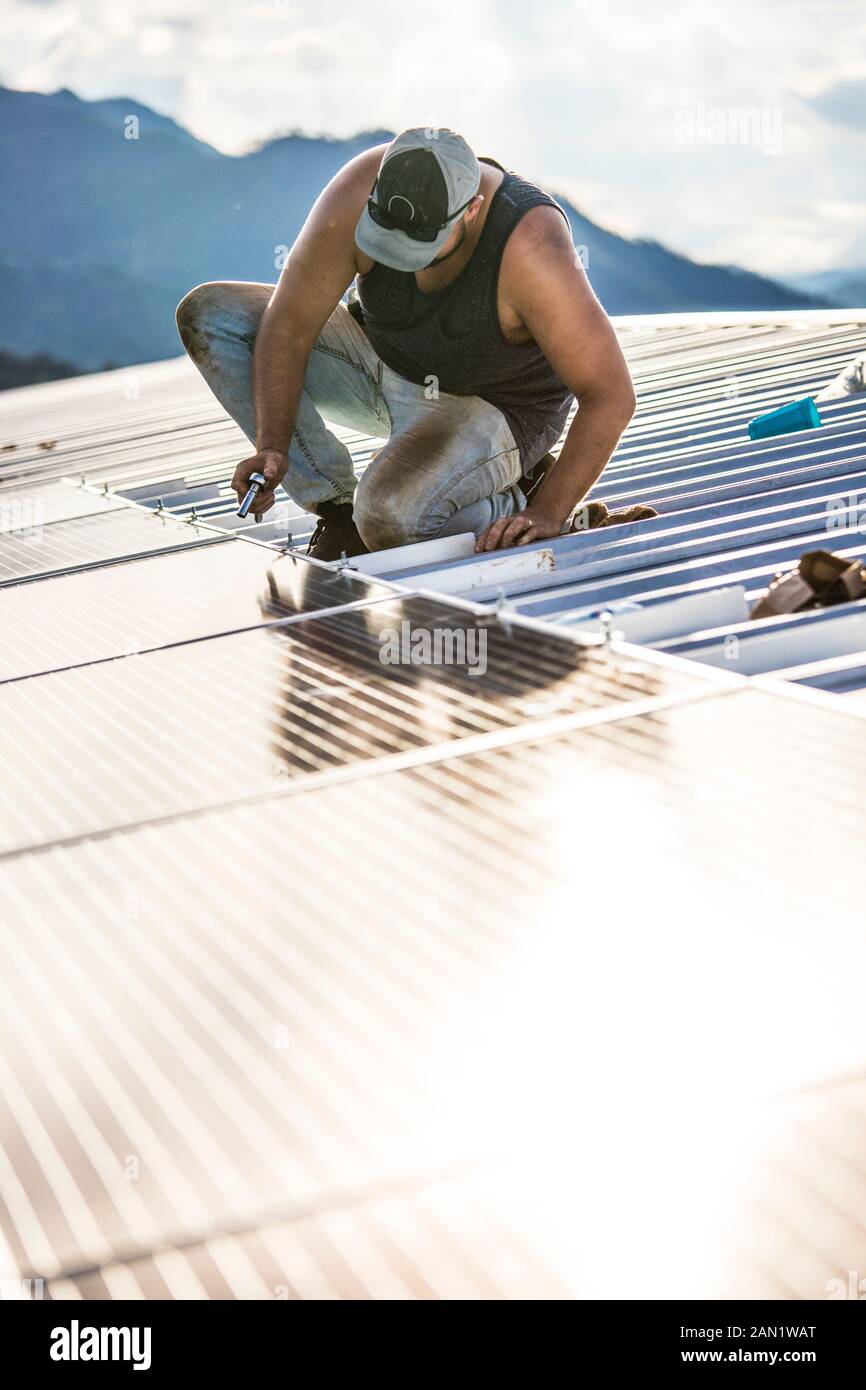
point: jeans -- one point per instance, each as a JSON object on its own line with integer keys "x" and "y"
{"x": 450, "y": 463}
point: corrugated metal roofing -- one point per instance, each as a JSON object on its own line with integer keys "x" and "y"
{"x": 733, "y": 512}
{"x": 321, "y": 978}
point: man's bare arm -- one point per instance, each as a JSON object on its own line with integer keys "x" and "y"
{"x": 319, "y": 269}
{"x": 554, "y": 299}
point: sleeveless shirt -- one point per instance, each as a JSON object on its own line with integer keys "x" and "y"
{"x": 454, "y": 335}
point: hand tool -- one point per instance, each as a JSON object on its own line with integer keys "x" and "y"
{"x": 257, "y": 481}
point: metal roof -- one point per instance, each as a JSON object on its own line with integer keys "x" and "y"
{"x": 320, "y": 978}
{"x": 733, "y": 512}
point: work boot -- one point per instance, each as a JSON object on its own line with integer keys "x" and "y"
{"x": 336, "y": 533}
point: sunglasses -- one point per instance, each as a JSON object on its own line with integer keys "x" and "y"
{"x": 407, "y": 223}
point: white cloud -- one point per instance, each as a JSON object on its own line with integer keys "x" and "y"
{"x": 581, "y": 94}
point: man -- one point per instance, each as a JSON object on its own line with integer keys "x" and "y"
{"x": 474, "y": 327}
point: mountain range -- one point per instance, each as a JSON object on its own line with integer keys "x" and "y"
{"x": 110, "y": 212}
{"x": 846, "y": 288}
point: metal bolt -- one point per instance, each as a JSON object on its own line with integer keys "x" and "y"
{"x": 504, "y": 607}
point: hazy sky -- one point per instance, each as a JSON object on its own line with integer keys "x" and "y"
{"x": 734, "y": 130}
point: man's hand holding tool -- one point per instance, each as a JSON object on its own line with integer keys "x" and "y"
{"x": 269, "y": 465}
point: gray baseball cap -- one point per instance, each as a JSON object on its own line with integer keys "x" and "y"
{"x": 427, "y": 177}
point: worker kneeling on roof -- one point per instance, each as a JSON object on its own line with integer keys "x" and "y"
{"x": 470, "y": 328}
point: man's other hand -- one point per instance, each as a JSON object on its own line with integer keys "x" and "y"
{"x": 520, "y": 529}
{"x": 273, "y": 464}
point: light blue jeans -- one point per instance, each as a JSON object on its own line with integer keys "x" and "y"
{"x": 450, "y": 463}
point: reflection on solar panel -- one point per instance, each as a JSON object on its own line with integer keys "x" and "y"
{"x": 332, "y": 970}
{"x": 239, "y": 716}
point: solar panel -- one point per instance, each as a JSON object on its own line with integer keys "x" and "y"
{"x": 177, "y": 729}
{"x": 94, "y": 540}
{"x": 25, "y": 506}
{"x": 204, "y": 1033}
{"x": 114, "y": 611}
{"x": 792, "y": 1232}
{"x": 447, "y": 1239}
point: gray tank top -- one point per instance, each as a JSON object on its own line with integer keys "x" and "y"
{"x": 455, "y": 335}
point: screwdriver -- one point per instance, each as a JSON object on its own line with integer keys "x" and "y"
{"x": 257, "y": 481}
